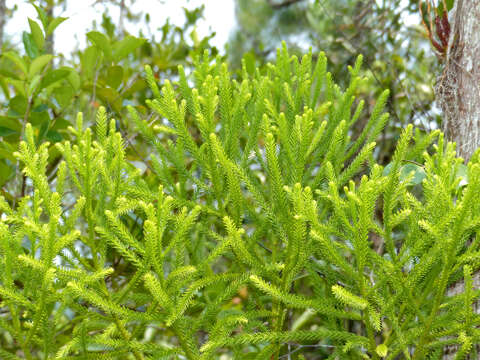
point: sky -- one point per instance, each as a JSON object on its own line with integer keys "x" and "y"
{"x": 218, "y": 17}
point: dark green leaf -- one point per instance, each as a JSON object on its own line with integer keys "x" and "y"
{"x": 4, "y": 131}
{"x": 30, "y": 46}
{"x": 44, "y": 126}
{"x": 60, "y": 124}
{"x": 5, "y": 172}
{"x": 101, "y": 41}
{"x": 405, "y": 170}
{"x": 53, "y": 136}
{"x": 54, "y": 76}
{"x": 11, "y": 123}
{"x": 138, "y": 85}
{"x": 64, "y": 94}
{"x": 90, "y": 60}
{"x": 387, "y": 169}
{"x": 40, "y": 108}
{"x": 126, "y": 46}
{"x": 38, "y": 64}
{"x": 110, "y": 97}
{"x": 114, "y": 76}
{"x": 38, "y": 118}
{"x": 4, "y": 86}
{"x": 18, "y": 105}
{"x": 418, "y": 173}
{"x": 42, "y": 15}
{"x": 74, "y": 79}
{"x": 17, "y": 60}
{"x": 54, "y": 23}
{"x": 7, "y": 150}
{"x": 37, "y": 33}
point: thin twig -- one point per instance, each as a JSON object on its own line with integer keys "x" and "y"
{"x": 283, "y": 4}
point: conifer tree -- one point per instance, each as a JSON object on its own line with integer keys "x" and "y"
{"x": 254, "y": 237}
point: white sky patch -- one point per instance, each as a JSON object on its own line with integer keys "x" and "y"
{"x": 219, "y": 17}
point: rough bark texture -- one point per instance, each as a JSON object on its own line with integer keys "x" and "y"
{"x": 458, "y": 89}
{"x": 458, "y": 92}
{"x": 3, "y": 19}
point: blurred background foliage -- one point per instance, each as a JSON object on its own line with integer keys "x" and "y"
{"x": 47, "y": 89}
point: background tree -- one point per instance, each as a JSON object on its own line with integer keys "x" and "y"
{"x": 47, "y": 89}
{"x": 3, "y": 16}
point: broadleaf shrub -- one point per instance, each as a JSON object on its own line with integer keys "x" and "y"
{"x": 264, "y": 230}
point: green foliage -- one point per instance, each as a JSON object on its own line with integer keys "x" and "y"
{"x": 388, "y": 33}
{"x": 261, "y": 226}
{"x": 47, "y": 89}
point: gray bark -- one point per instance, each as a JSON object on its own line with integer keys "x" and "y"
{"x": 49, "y": 41}
{"x": 121, "y": 25}
{"x": 458, "y": 93}
{"x": 3, "y": 20}
{"x": 458, "y": 89}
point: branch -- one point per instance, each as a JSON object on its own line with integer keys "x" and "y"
{"x": 282, "y": 4}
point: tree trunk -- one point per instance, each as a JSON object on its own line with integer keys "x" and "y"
{"x": 49, "y": 40}
{"x": 458, "y": 93}
{"x": 458, "y": 89}
{"x": 3, "y": 20}
{"x": 121, "y": 20}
